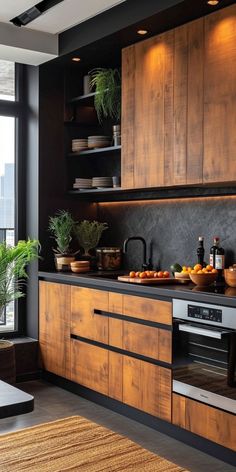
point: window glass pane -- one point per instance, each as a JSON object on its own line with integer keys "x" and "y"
{"x": 7, "y": 199}
{"x": 7, "y": 80}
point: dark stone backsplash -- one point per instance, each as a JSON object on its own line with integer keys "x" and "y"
{"x": 171, "y": 228}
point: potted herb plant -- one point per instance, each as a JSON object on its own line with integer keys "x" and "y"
{"x": 61, "y": 227}
{"x": 107, "y": 85}
{"x": 13, "y": 263}
{"x": 88, "y": 234}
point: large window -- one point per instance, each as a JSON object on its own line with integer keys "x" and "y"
{"x": 9, "y": 116}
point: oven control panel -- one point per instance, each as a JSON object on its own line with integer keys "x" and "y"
{"x": 205, "y": 313}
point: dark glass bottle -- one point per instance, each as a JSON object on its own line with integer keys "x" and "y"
{"x": 200, "y": 251}
{"x": 217, "y": 257}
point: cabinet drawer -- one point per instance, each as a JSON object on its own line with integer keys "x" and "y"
{"x": 211, "y": 423}
{"x": 84, "y": 322}
{"x": 147, "y": 387}
{"x": 139, "y": 339}
{"x": 89, "y": 366}
{"x": 147, "y": 309}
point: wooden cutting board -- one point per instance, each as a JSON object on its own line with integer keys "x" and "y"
{"x": 153, "y": 281}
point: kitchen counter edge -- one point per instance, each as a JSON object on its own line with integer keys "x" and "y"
{"x": 154, "y": 292}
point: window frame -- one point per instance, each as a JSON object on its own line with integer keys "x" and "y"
{"x": 16, "y": 109}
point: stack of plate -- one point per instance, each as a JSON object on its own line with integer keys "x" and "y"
{"x": 102, "y": 182}
{"x": 82, "y": 183}
{"x": 80, "y": 266}
{"x": 79, "y": 145}
{"x": 99, "y": 141}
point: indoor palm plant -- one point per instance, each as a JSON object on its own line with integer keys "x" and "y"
{"x": 61, "y": 227}
{"x": 107, "y": 85}
{"x": 88, "y": 234}
{"x": 13, "y": 263}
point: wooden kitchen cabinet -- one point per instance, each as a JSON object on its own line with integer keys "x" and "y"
{"x": 147, "y": 387}
{"x": 220, "y": 97}
{"x": 54, "y": 327}
{"x": 89, "y": 366}
{"x": 213, "y": 424}
{"x": 162, "y": 109}
{"x": 178, "y": 105}
{"x": 84, "y": 320}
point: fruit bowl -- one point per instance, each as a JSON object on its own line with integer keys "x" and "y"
{"x": 203, "y": 280}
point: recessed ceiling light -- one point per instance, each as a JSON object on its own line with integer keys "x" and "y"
{"x": 142, "y": 32}
{"x": 76, "y": 59}
{"x": 213, "y": 2}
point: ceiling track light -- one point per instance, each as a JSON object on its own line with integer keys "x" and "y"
{"x": 34, "y": 12}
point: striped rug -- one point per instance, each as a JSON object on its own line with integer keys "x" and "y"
{"x": 76, "y": 444}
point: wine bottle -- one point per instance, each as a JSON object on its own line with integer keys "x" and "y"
{"x": 200, "y": 251}
{"x": 217, "y": 257}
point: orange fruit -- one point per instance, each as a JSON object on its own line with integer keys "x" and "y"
{"x": 214, "y": 271}
{"x": 143, "y": 275}
{"x": 198, "y": 267}
{"x": 155, "y": 275}
{"x": 200, "y": 272}
{"x": 166, "y": 274}
{"x": 160, "y": 274}
{"x": 152, "y": 272}
{"x": 147, "y": 272}
{"x": 184, "y": 269}
{"x": 132, "y": 274}
{"x": 189, "y": 269}
{"x": 209, "y": 267}
{"x": 137, "y": 274}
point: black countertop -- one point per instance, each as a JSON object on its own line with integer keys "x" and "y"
{"x": 220, "y": 295}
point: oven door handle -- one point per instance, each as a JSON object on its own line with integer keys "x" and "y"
{"x": 187, "y": 328}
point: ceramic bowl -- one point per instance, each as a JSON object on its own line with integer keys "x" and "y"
{"x": 182, "y": 275}
{"x": 203, "y": 280}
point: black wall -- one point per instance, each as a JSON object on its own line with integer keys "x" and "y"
{"x": 171, "y": 228}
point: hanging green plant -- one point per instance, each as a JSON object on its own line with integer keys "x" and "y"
{"x": 107, "y": 85}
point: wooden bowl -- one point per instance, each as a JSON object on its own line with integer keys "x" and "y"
{"x": 230, "y": 277}
{"x": 182, "y": 275}
{"x": 203, "y": 280}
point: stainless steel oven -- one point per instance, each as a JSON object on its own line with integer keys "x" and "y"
{"x": 204, "y": 353}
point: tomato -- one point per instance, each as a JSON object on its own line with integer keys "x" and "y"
{"x": 147, "y": 272}
{"x": 152, "y": 272}
{"x": 155, "y": 275}
{"x": 143, "y": 275}
{"x": 166, "y": 274}
{"x": 160, "y": 274}
{"x": 137, "y": 274}
{"x": 132, "y": 274}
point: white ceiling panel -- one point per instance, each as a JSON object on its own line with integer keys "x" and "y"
{"x": 24, "y": 56}
{"x": 11, "y": 8}
{"x": 69, "y": 13}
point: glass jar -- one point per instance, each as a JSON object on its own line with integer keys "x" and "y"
{"x": 108, "y": 258}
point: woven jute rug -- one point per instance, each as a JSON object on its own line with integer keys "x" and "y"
{"x": 76, "y": 444}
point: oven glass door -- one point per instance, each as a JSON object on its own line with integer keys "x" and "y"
{"x": 204, "y": 364}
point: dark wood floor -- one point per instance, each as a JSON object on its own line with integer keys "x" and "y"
{"x": 53, "y": 403}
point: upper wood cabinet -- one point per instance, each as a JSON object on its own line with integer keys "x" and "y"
{"x": 54, "y": 327}
{"x": 220, "y": 96}
{"x": 178, "y": 105}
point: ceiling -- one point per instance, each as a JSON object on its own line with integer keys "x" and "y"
{"x": 37, "y": 42}
{"x": 62, "y": 16}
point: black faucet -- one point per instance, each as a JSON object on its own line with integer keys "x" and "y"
{"x": 145, "y": 265}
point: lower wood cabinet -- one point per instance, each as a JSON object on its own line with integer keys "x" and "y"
{"x": 206, "y": 421}
{"x": 89, "y": 366}
{"x": 134, "y": 382}
{"x": 54, "y": 328}
{"x": 147, "y": 387}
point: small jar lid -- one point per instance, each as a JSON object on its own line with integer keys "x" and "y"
{"x": 109, "y": 249}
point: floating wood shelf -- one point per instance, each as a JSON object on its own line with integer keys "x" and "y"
{"x": 110, "y": 149}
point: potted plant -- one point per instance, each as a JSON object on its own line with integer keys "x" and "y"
{"x": 88, "y": 234}
{"x": 13, "y": 263}
{"x": 61, "y": 227}
{"x": 107, "y": 85}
